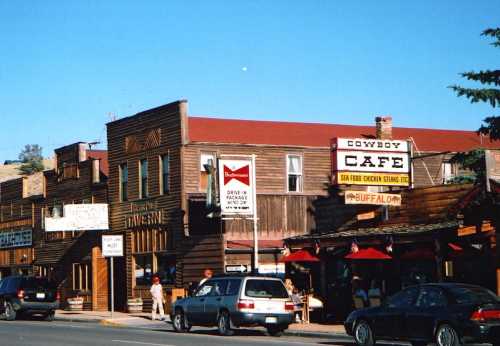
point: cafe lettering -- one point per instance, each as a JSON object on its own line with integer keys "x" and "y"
{"x": 361, "y": 161}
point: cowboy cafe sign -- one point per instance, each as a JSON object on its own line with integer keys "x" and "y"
{"x": 236, "y": 190}
{"x": 358, "y": 161}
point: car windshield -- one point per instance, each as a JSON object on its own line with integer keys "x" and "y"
{"x": 37, "y": 283}
{"x": 473, "y": 295}
{"x": 265, "y": 289}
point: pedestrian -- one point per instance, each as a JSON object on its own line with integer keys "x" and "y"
{"x": 289, "y": 286}
{"x": 157, "y": 295}
{"x": 207, "y": 274}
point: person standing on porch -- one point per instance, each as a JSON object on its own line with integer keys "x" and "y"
{"x": 157, "y": 295}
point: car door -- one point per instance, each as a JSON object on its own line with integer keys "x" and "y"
{"x": 195, "y": 308}
{"x": 420, "y": 320}
{"x": 214, "y": 301}
{"x": 388, "y": 321}
{"x": 3, "y": 284}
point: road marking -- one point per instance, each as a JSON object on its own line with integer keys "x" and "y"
{"x": 139, "y": 343}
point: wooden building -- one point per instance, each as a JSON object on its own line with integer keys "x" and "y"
{"x": 18, "y": 220}
{"x": 74, "y": 259}
{"x": 158, "y": 184}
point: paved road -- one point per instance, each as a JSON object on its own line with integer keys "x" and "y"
{"x": 41, "y": 333}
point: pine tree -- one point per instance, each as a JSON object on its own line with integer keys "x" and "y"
{"x": 490, "y": 94}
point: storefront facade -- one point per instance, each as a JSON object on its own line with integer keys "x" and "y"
{"x": 158, "y": 185}
{"x": 72, "y": 258}
{"x": 18, "y": 201}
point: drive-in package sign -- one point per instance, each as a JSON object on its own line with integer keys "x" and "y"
{"x": 236, "y": 189}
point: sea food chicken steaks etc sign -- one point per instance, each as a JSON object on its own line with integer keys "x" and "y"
{"x": 358, "y": 161}
{"x": 236, "y": 190}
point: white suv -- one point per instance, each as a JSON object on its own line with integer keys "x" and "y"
{"x": 232, "y": 301}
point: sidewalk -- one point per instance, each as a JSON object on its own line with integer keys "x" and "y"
{"x": 143, "y": 321}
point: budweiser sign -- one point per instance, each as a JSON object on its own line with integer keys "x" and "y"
{"x": 236, "y": 188}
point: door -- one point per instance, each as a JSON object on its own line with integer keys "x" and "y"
{"x": 195, "y": 308}
{"x": 214, "y": 301}
{"x": 420, "y": 319}
{"x": 388, "y": 322}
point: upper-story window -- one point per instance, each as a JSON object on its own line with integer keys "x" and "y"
{"x": 123, "y": 168}
{"x": 448, "y": 172}
{"x": 143, "y": 178}
{"x": 294, "y": 173}
{"x": 205, "y": 159}
{"x": 164, "y": 174}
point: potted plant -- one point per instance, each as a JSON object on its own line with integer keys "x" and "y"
{"x": 75, "y": 303}
{"x": 134, "y": 305}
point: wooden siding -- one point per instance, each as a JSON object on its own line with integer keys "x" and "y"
{"x": 270, "y": 168}
{"x": 419, "y": 206}
{"x": 60, "y": 250}
{"x": 153, "y": 133}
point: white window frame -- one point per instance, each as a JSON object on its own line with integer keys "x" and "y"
{"x": 300, "y": 174}
{"x": 452, "y": 171}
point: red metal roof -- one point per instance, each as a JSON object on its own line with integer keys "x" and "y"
{"x": 213, "y": 130}
{"x": 103, "y": 156}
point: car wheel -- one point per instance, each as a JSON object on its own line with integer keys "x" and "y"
{"x": 363, "y": 335}
{"x": 179, "y": 322}
{"x": 447, "y": 336}
{"x": 275, "y": 330}
{"x": 10, "y": 313}
{"x": 224, "y": 324}
{"x": 50, "y": 316}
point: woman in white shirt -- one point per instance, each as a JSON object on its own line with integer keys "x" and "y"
{"x": 157, "y": 295}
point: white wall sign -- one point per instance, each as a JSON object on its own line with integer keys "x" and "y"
{"x": 365, "y": 144}
{"x": 363, "y": 197}
{"x": 364, "y": 161}
{"x": 235, "y": 184}
{"x": 272, "y": 268}
{"x": 112, "y": 245}
{"x": 80, "y": 217}
{"x": 9, "y": 239}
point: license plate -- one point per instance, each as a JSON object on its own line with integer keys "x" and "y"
{"x": 40, "y": 295}
{"x": 271, "y": 320}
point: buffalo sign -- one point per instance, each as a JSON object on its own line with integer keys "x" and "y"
{"x": 236, "y": 187}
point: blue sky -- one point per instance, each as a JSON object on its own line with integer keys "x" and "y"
{"x": 67, "y": 67}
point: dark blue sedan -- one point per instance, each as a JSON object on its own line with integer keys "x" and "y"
{"x": 445, "y": 313}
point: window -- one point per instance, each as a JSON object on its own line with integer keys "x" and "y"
{"x": 123, "y": 182}
{"x": 403, "y": 299}
{"x": 166, "y": 269}
{"x": 219, "y": 288}
{"x": 265, "y": 289}
{"x": 205, "y": 160}
{"x": 143, "y": 178}
{"x": 143, "y": 269}
{"x": 473, "y": 295}
{"x": 448, "y": 172}
{"x": 294, "y": 173}
{"x": 205, "y": 289}
{"x": 233, "y": 287}
{"x": 431, "y": 297}
{"x": 164, "y": 174}
{"x": 81, "y": 277}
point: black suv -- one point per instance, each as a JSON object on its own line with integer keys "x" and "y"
{"x": 28, "y": 295}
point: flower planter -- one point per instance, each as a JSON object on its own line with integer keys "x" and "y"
{"x": 75, "y": 304}
{"x": 134, "y": 305}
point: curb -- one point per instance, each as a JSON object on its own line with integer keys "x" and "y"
{"x": 70, "y": 319}
{"x": 312, "y": 334}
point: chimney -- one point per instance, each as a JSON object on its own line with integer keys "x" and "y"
{"x": 384, "y": 127}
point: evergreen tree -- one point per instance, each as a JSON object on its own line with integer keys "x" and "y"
{"x": 490, "y": 94}
{"x": 31, "y": 158}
